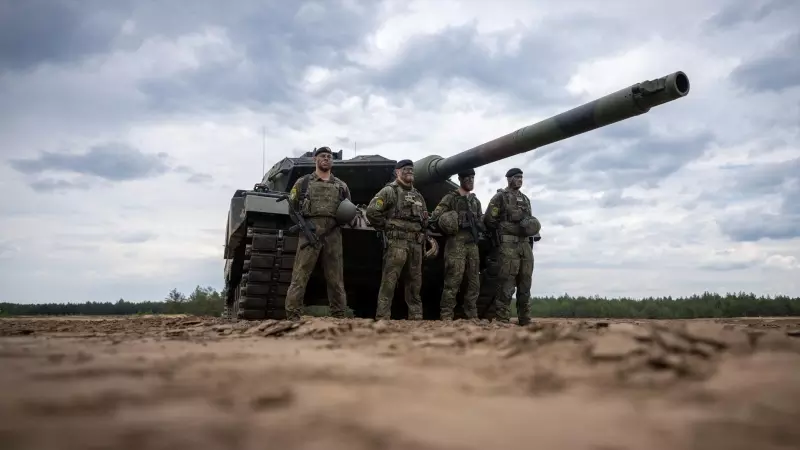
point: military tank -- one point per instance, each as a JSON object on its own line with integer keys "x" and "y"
{"x": 260, "y": 242}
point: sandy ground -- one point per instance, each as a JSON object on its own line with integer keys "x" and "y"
{"x": 187, "y": 382}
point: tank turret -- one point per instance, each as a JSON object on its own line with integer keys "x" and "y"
{"x": 260, "y": 244}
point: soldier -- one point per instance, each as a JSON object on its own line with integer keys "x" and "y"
{"x": 509, "y": 215}
{"x": 317, "y": 197}
{"x": 400, "y": 211}
{"x": 452, "y": 217}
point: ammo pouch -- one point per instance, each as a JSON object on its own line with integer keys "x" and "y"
{"x": 515, "y": 215}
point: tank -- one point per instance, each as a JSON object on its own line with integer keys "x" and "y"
{"x": 260, "y": 244}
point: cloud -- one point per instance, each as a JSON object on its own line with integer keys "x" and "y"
{"x": 37, "y": 31}
{"x": 127, "y": 126}
{"x": 113, "y": 162}
{"x": 777, "y": 70}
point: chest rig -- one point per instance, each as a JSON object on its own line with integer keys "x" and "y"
{"x": 321, "y": 198}
{"x": 407, "y": 206}
{"x": 515, "y": 206}
{"x": 461, "y": 204}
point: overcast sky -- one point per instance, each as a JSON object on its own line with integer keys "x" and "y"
{"x": 125, "y": 127}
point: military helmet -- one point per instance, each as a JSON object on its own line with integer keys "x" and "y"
{"x": 448, "y": 222}
{"x": 530, "y": 226}
{"x": 346, "y": 212}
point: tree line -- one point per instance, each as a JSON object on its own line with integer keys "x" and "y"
{"x": 207, "y": 301}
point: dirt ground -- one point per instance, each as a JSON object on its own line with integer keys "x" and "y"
{"x": 186, "y": 382}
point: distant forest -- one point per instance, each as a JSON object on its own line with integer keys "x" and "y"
{"x": 208, "y": 302}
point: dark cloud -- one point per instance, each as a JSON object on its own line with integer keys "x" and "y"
{"x": 776, "y": 180}
{"x": 112, "y": 161}
{"x": 762, "y": 179}
{"x": 49, "y": 185}
{"x": 56, "y": 31}
{"x": 776, "y": 70}
{"x": 756, "y": 225}
{"x": 738, "y": 12}
{"x": 268, "y": 67}
{"x": 607, "y": 162}
{"x": 534, "y": 72}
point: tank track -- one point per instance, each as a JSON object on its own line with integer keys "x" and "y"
{"x": 267, "y": 258}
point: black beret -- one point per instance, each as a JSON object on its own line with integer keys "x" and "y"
{"x": 466, "y": 173}
{"x": 322, "y": 150}
{"x": 512, "y": 172}
{"x": 403, "y": 163}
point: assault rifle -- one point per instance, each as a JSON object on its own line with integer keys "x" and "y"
{"x": 471, "y": 224}
{"x": 307, "y": 228}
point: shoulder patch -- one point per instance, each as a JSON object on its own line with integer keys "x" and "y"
{"x": 495, "y": 211}
{"x": 379, "y": 204}
{"x": 293, "y": 193}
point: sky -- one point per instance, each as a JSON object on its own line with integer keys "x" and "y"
{"x": 125, "y": 128}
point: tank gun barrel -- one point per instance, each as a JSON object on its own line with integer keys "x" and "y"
{"x": 626, "y": 103}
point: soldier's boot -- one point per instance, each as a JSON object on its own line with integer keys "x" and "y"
{"x": 415, "y": 313}
{"x": 524, "y": 321}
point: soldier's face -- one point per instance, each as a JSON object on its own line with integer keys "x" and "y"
{"x": 324, "y": 161}
{"x": 515, "y": 182}
{"x": 468, "y": 183}
{"x": 406, "y": 174}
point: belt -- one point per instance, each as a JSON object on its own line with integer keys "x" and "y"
{"x": 512, "y": 238}
{"x": 413, "y": 236}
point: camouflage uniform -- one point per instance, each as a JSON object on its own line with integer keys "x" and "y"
{"x": 506, "y": 209}
{"x": 402, "y": 214}
{"x": 319, "y": 208}
{"x": 460, "y": 254}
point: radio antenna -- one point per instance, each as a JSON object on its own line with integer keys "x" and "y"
{"x": 263, "y": 150}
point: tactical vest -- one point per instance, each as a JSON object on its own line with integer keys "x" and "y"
{"x": 515, "y": 208}
{"x": 406, "y": 214}
{"x": 462, "y": 204}
{"x": 320, "y": 199}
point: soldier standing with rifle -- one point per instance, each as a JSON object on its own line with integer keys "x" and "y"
{"x": 509, "y": 217}
{"x": 459, "y": 215}
{"x": 315, "y": 205}
{"x": 400, "y": 212}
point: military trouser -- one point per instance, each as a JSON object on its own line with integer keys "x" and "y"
{"x": 332, "y": 267}
{"x": 403, "y": 256}
{"x": 460, "y": 260}
{"x": 516, "y": 269}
